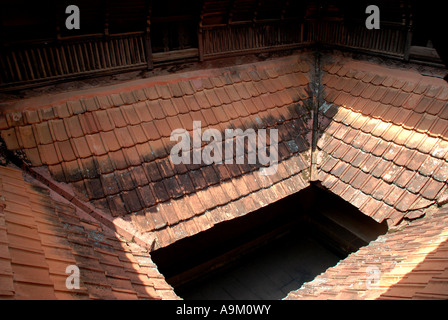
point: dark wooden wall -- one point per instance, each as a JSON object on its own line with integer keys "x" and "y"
{"x": 117, "y": 35}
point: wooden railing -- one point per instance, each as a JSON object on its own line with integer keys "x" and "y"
{"x": 71, "y": 58}
{"x": 247, "y": 37}
{"x": 22, "y": 66}
{"x": 390, "y": 39}
{"x": 241, "y": 38}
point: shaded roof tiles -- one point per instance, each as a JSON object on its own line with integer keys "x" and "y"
{"x": 41, "y": 237}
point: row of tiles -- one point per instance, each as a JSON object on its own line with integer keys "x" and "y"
{"x": 401, "y": 115}
{"x": 178, "y": 179}
{"x": 167, "y": 114}
{"x": 395, "y": 97}
{"x": 150, "y": 142}
{"x": 170, "y": 97}
{"x": 346, "y": 77}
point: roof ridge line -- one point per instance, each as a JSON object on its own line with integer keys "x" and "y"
{"x": 315, "y": 86}
{"x": 117, "y": 225}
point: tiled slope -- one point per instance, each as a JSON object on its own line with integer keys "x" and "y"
{"x": 114, "y": 148}
{"x": 40, "y": 237}
{"x": 384, "y": 139}
{"x": 408, "y": 264}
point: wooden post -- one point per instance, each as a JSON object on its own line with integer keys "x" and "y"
{"x": 148, "y": 47}
{"x": 106, "y": 18}
{"x": 408, "y": 42}
{"x": 58, "y": 11}
{"x": 200, "y": 43}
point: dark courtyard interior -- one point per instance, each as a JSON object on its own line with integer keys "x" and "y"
{"x": 270, "y": 252}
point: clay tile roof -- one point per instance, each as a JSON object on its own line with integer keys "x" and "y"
{"x": 397, "y": 139}
{"x": 98, "y": 150}
{"x": 41, "y": 234}
{"x": 379, "y": 141}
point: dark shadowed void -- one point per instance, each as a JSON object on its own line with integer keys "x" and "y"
{"x": 268, "y": 253}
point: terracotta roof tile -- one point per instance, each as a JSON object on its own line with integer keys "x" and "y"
{"x": 416, "y": 161}
{"x": 123, "y": 137}
{"x": 30, "y": 117}
{"x": 116, "y": 117}
{"x": 163, "y": 127}
{"x": 439, "y": 128}
{"x": 426, "y": 122}
{"x": 64, "y": 151}
{"x": 414, "y": 140}
{"x": 418, "y": 181}
{"x": 81, "y": 148}
{"x": 163, "y": 91}
{"x": 409, "y": 86}
{"x": 62, "y": 111}
{"x": 432, "y": 189}
{"x": 427, "y": 144}
{"x": 404, "y": 178}
{"x": 57, "y": 129}
{"x": 379, "y": 94}
{"x": 103, "y": 121}
{"x": 73, "y": 127}
{"x": 132, "y": 156}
